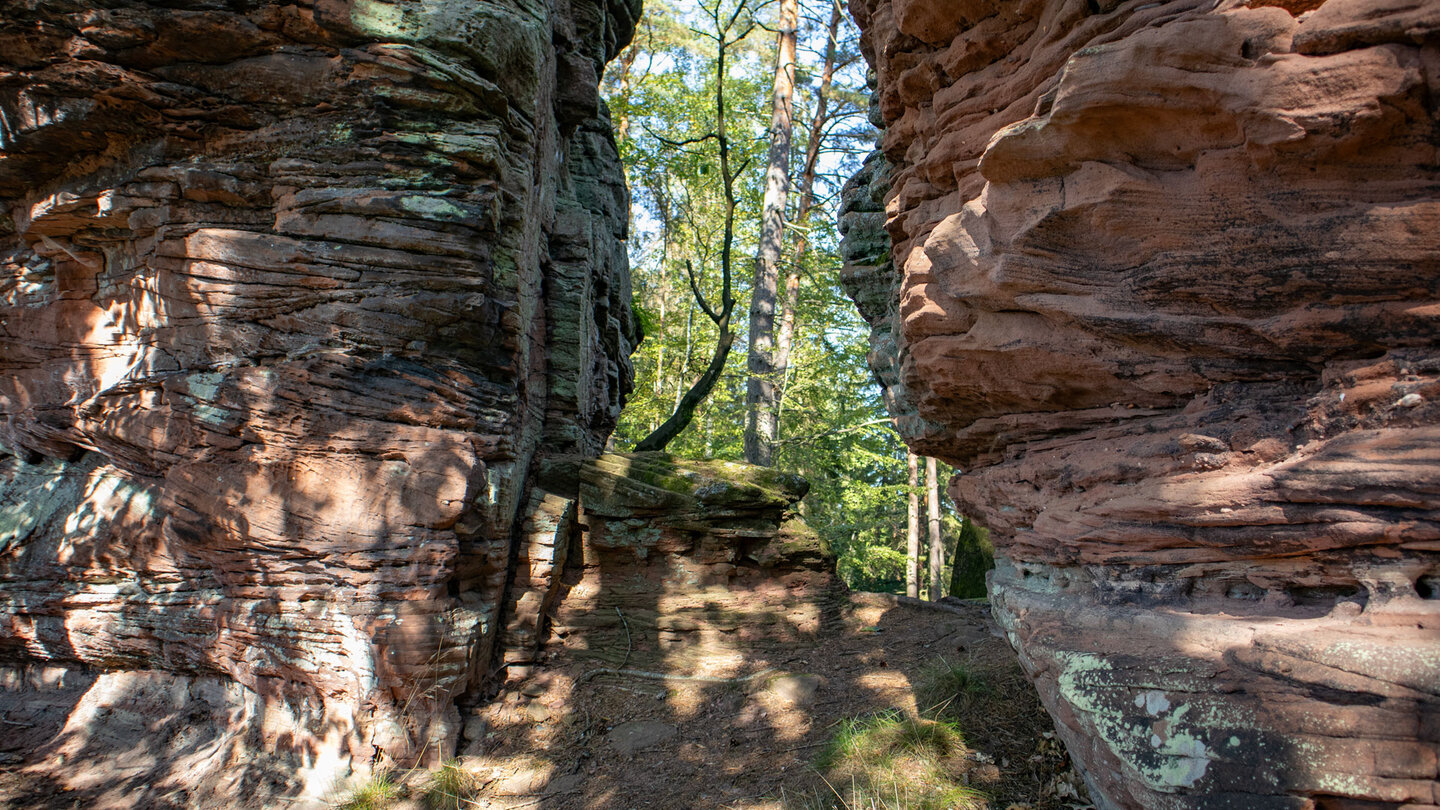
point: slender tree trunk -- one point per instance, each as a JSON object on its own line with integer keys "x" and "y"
{"x": 685, "y": 409}
{"x": 663, "y": 204}
{"x": 912, "y": 529}
{"x": 786, "y": 338}
{"x": 626, "y": 61}
{"x": 760, "y": 397}
{"x": 686, "y": 357}
{"x": 659, "y": 387}
{"x": 937, "y": 543}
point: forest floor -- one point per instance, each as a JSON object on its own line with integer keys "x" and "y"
{"x": 571, "y": 736}
{"x": 580, "y": 731}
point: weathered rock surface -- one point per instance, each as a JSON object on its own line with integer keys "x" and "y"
{"x": 1165, "y": 284}
{"x": 293, "y": 297}
{"x": 684, "y": 567}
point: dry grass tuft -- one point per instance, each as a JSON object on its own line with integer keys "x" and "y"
{"x": 377, "y": 793}
{"x": 892, "y": 761}
{"x": 449, "y": 787}
{"x": 954, "y": 690}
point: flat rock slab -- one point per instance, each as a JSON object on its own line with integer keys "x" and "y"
{"x": 637, "y": 735}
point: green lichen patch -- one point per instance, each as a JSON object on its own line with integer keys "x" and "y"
{"x": 1161, "y": 738}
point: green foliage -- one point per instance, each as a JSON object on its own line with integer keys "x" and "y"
{"x": 973, "y": 556}
{"x": 834, "y": 428}
{"x": 644, "y": 316}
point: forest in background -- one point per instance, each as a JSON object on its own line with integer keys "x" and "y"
{"x": 693, "y": 269}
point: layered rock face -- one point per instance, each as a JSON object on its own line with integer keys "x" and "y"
{"x": 294, "y": 297}
{"x": 689, "y": 567}
{"x": 1166, "y": 286}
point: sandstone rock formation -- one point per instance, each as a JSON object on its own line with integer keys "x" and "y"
{"x": 685, "y": 567}
{"x": 294, "y": 296}
{"x": 1166, "y": 286}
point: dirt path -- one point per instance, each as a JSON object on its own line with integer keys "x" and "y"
{"x": 608, "y": 722}
{"x": 577, "y": 734}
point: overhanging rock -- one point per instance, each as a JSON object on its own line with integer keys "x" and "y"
{"x": 1163, "y": 283}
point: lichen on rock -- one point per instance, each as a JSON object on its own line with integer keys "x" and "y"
{"x": 293, "y": 299}
{"x": 1162, "y": 285}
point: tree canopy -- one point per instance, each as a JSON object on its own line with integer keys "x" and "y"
{"x": 831, "y": 425}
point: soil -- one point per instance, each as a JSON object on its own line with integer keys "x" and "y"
{"x": 614, "y": 729}
{"x": 575, "y": 734}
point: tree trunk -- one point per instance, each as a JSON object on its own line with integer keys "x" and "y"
{"x": 626, "y": 61}
{"x": 687, "y": 357}
{"x": 937, "y": 543}
{"x": 685, "y": 409}
{"x": 912, "y": 530}
{"x": 785, "y": 340}
{"x": 663, "y": 206}
{"x": 760, "y": 396}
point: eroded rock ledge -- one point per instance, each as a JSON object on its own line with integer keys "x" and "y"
{"x": 683, "y": 567}
{"x": 1165, "y": 284}
{"x": 293, "y": 298}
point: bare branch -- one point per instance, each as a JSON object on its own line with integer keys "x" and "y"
{"x": 699, "y": 296}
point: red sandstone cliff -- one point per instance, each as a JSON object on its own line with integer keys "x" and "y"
{"x": 1165, "y": 284}
{"x": 293, "y": 295}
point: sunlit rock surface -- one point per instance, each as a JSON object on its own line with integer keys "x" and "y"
{"x": 685, "y": 567}
{"x": 293, "y": 298}
{"x": 1165, "y": 285}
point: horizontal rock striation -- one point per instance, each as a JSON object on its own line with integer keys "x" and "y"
{"x": 1165, "y": 284}
{"x": 687, "y": 568}
{"x": 293, "y": 298}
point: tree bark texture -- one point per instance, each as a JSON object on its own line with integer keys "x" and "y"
{"x": 937, "y": 543}
{"x": 761, "y": 424}
{"x": 912, "y": 529}
{"x": 785, "y": 340}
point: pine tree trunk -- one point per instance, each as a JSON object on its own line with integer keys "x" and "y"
{"x": 912, "y": 530}
{"x": 785, "y": 340}
{"x": 760, "y": 397}
{"x": 937, "y": 543}
{"x": 626, "y": 61}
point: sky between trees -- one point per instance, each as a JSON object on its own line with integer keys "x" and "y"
{"x": 696, "y": 148}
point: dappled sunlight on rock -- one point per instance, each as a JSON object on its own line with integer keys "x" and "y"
{"x": 293, "y": 307}
{"x": 1159, "y": 279}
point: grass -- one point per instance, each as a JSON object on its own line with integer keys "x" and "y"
{"x": 376, "y": 793}
{"x": 449, "y": 788}
{"x": 988, "y": 695}
{"x": 892, "y": 761}
{"x": 945, "y": 689}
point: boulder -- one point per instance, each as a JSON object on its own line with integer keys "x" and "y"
{"x": 687, "y": 568}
